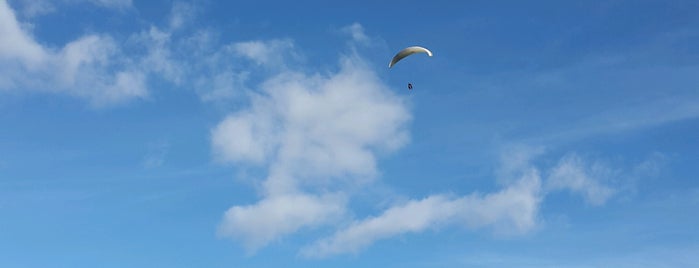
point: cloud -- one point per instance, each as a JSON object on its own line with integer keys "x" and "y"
{"x": 191, "y": 61}
{"x": 181, "y": 13}
{"x": 245, "y": 137}
{"x": 312, "y": 133}
{"x": 356, "y": 31}
{"x": 516, "y": 159}
{"x": 312, "y": 126}
{"x": 105, "y": 71}
{"x": 223, "y": 85}
{"x": 33, "y": 8}
{"x": 271, "y": 54}
{"x": 159, "y": 58}
{"x": 651, "y": 166}
{"x": 217, "y": 74}
{"x": 259, "y": 224}
{"x": 16, "y": 45}
{"x": 513, "y": 209}
{"x": 573, "y": 175}
{"x": 87, "y": 72}
{"x": 90, "y": 67}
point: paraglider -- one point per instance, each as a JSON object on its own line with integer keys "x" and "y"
{"x": 407, "y": 52}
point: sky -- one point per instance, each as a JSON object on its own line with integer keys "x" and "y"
{"x": 273, "y": 134}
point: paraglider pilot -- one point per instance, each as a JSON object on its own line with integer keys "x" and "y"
{"x": 410, "y": 86}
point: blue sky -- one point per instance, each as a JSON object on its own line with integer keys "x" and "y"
{"x": 272, "y": 134}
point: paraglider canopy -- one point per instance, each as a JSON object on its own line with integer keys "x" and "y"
{"x": 407, "y": 52}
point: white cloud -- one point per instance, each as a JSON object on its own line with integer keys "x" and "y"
{"x": 651, "y": 166}
{"x": 216, "y": 73}
{"x": 414, "y": 216}
{"x": 95, "y": 67}
{"x": 259, "y": 224}
{"x": 181, "y": 14}
{"x": 245, "y": 137}
{"x": 315, "y": 126}
{"x": 16, "y": 45}
{"x": 513, "y": 209}
{"x": 271, "y": 54}
{"x": 86, "y": 54}
{"x": 126, "y": 85}
{"x": 101, "y": 70}
{"x": 91, "y": 67}
{"x": 574, "y": 175}
{"x": 85, "y": 68}
{"x": 311, "y": 133}
{"x": 32, "y": 8}
{"x": 516, "y": 160}
{"x": 356, "y": 31}
{"x": 224, "y": 85}
{"x": 159, "y": 58}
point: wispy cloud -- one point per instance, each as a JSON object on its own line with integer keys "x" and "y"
{"x": 89, "y": 67}
{"x": 273, "y": 54}
{"x": 629, "y": 117}
{"x": 160, "y": 58}
{"x": 573, "y": 175}
{"x": 601, "y": 94}
{"x": 356, "y": 31}
{"x": 513, "y": 209}
{"x": 32, "y": 8}
{"x": 181, "y": 14}
{"x": 105, "y": 71}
